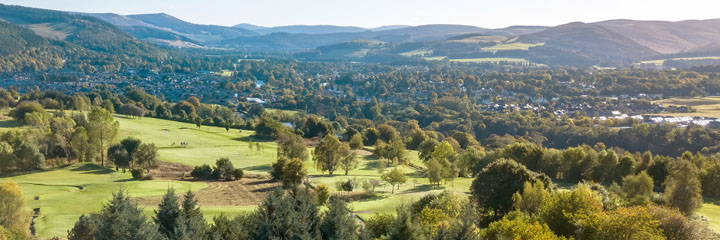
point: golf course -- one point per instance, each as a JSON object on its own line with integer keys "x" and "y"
{"x": 58, "y": 196}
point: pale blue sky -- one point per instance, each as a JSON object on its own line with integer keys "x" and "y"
{"x": 373, "y": 13}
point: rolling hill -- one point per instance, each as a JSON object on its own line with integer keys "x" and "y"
{"x": 667, "y": 37}
{"x": 196, "y": 32}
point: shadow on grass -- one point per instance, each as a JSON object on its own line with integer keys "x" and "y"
{"x": 252, "y": 138}
{"x": 125, "y": 180}
{"x": 711, "y": 200}
{"x": 92, "y": 168}
{"x": 258, "y": 168}
{"x": 9, "y": 124}
{"x": 423, "y": 188}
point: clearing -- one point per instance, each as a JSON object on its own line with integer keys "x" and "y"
{"x": 704, "y": 106}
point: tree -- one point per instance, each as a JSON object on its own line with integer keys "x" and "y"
{"x": 293, "y": 172}
{"x": 533, "y": 196}
{"x": 379, "y": 224}
{"x": 356, "y": 142}
{"x": 348, "y": 160}
{"x": 326, "y": 154}
{"x": 81, "y": 145}
{"x": 62, "y": 129}
{"x": 85, "y": 228}
{"x": 289, "y": 216}
{"x": 28, "y": 156}
{"x": 434, "y": 172}
{"x": 7, "y": 158}
{"x": 370, "y": 136}
{"x": 683, "y": 190}
{"x": 24, "y": 108}
{"x": 395, "y": 177}
{"x": 122, "y": 219}
{"x": 322, "y": 192}
{"x": 387, "y": 133}
{"x": 403, "y": 227}
{"x": 463, "y": 227}
{"x": 223, "y": 169}
{"x": 145, "y": 157}
{"x": 638, "y": 188}
{"x": 102, "y": 130}
{"x": 494, "y": 186}
{"x": 193, "y": 218}
{"x": 12, "y": 211}
{"x": 119, "y": 156}
{"x": 168, "y": 217}
{"x": 563, "y": 209}
{"x": 518, "y": 226}
{"x": 291, "y": 146}
{"x": 623, "y": 223}
{"x": 204, "y": 172}
{"x": 198, "y": 122}
{"x": 338, "y": 222}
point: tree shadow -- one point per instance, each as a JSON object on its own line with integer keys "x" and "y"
{"x": 252, "y": 138}
{"x": 259, "y": 168}
{"x": 92, "y": 168}
{"x": 423, "y": 188}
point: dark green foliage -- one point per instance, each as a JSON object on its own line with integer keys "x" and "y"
{"x": 289, "y": 216}
{"x": 122, "y": 219}
{"x": 85, "y": 228}
{"x": 379, "y": 224}
{"x": 683, "y": 187}
{"x": 404, "y": 227}
{"x": 168, "y": 217}
{"x": 291, "y": 146}
{"x": 202, "y": 172}
{"x": 137, "y": 174}
{"x": 464, "y": 227}
{"x": 338, "y": 222}
{"x": 223, "y": 169}
{"x": 494, "y": 186}
{"x": 195, "y": 226}
{"x": 24, "y": 108}
{"x": 237, "y": 174}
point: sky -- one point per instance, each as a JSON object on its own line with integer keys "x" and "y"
{"x": 374, "y": 13}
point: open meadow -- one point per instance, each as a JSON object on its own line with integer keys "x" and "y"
{"x": 704, "y": 106}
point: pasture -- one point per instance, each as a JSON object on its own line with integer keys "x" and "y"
{"x": 704, "y": 106}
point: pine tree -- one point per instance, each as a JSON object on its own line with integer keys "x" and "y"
{"x": 194, "y": 221}
{"x": 404, "y": 227}
{"x": 168, "y": 218}
{"x": 121, "y": 219}
{"x": 338, "y": 222}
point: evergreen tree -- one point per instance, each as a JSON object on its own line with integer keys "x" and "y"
{"x": 404, "y": 227}
{"x": 168, "y": 219}
{"x": 194, "y": 221}
{"x": 338, "y": 223}
{"x": 683, "y": 187}
{"x": 122, "y": 219}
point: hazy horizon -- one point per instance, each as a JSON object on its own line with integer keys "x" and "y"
{"x": 376, "y": 13}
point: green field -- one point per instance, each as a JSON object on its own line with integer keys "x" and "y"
{"x": 512, "y": 46}
{"x": 712, "y": 213}
{"x": 205, "y": 144}
{"x": 489, "y": 60}
{"x": 704, "y": 106}
{"x": 61, "y": 201}
{"x": 65, "y": 193}
{"x": 660, "y": 62}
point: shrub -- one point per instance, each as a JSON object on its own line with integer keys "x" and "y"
{"x": 238, "y": 174}
{"x": 203, "y": 172}
{"x": 137, "y": 174}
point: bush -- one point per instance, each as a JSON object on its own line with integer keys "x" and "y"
{"x": 238, "y": 174}
{"x": 203, "y": 172}
{"x": 137, "y": 174}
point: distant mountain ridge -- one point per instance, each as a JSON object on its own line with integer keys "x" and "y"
{"x": 612, "y": 42}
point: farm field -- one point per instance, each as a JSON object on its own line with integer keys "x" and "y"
{"x": 704, "y": 106}
{"x": 512, "y": 46}
{"x": 660, "y": 62}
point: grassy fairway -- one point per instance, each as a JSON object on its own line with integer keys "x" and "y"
{"x": 712, "y": 212}
{"x": 66, "y": 193}
{"x": 205, "y": 144}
